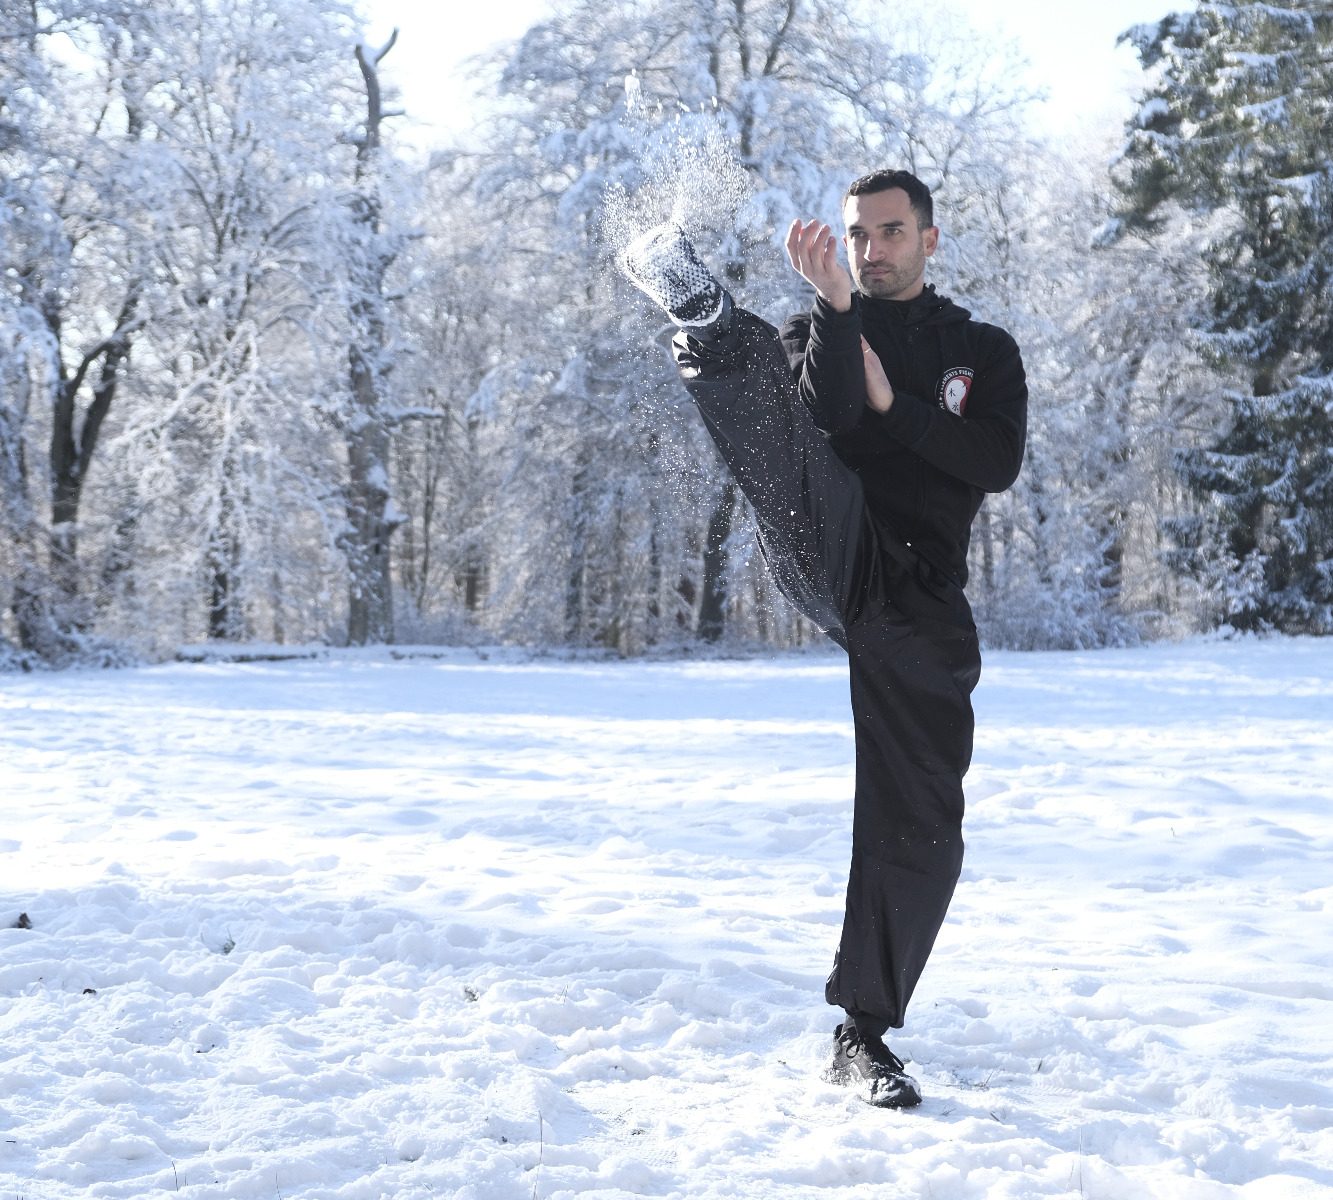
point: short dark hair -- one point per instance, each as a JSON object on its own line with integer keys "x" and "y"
{"x": 918, "y": 194}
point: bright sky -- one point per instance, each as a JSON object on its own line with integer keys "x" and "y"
{"x": 1074, "y": 57}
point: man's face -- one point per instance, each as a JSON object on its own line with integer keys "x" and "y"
{"x": 886, "y": 248}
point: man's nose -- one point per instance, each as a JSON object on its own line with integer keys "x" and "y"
{"x": 874, "y": 249}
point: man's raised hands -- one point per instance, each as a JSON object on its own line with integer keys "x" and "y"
{"x": 812, "y": 248}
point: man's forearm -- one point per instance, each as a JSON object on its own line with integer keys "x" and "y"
{"x": 832, "y": 380}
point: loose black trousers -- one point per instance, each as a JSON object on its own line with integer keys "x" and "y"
{"x": 912, "y": 651}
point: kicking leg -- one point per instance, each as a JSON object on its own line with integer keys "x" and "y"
{"x": 808, "y": 504}
{"x": 821, "y": 548}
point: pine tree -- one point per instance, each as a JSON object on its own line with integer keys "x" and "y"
{"x": 1235, "y": 134}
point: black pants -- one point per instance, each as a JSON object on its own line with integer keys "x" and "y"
{"x": 912, "y": 650}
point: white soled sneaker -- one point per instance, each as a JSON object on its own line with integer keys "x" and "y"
{"x": 663, "y": 265}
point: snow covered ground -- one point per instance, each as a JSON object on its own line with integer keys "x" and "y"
{"x": 362, "y": 927}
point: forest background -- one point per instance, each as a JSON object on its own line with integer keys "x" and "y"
{"x": 268, "y": 374}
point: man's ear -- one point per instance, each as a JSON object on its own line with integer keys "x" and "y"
{"x": 931, "y": 239}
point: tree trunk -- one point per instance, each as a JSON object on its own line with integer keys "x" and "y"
{"x": 712, "y": 606}
{"x": 472, "y": 580}
{"x": 575, "y": 581}
{"x": 370, "y": 584}
{"x": 74, "y": 438}
{"x": 370, "y": 519}
{"x": 226, "y": 615}
{"x": 30, "y": 595}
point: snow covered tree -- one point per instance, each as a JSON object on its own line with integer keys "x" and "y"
{"x": 454, "y": 473}
{"x": 1046, "y": 554}
{"x": 1234, "y": 134}
{"x": 81, "y": 175}
{"x": 367, "y": 427}
{"x": 229, "y": 454}
{"x": 635, "y": 98}
{"x": 26, "y": 225}
{"x": 223, "y": 335}
{"x": 178, "y": 253}
{"x": 1072, "y": 554}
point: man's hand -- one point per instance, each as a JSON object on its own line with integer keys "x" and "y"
{"x": 879, "y": 391}
{"x": 813, "y": 251}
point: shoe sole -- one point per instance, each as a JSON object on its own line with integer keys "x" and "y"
{"x": 665, "y": 253}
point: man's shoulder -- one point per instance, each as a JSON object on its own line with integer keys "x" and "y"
{"x": 994, "y": 333}
{"x": 995, "y": 355}
{"x": 993, "y": 338}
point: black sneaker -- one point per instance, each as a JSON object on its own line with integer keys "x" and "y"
{"x": 869, "y": 1066}
{"x": 663, "y": 264}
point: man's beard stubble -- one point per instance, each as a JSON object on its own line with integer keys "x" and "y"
{"x": 892, "y": 279}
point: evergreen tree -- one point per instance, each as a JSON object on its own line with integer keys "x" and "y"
{"x": 1235, "y": 133}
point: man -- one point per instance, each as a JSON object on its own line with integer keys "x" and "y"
{"x": 866, "y": 450}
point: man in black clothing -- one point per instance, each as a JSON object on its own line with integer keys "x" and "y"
{"x": 866, "y": 450}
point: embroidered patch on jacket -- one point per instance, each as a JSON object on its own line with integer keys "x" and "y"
{"x": 955, "y": 384}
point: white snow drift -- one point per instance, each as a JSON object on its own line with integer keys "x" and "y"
{"x": 362, "y": 926}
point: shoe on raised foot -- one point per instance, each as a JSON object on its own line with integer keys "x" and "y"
{"x": 661, "y": 263}
{"x": 869, "y": 1066}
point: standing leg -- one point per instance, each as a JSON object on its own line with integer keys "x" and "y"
{"x": 808, "y": 504}
{"x": 911, "y": 687}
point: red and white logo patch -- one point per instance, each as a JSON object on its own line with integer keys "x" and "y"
{"x": 955, "y": 384}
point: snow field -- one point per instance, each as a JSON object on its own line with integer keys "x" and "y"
{"x": 363, "y": 927}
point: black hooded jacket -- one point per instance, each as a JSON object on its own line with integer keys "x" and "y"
{"x": 955, "y": 430}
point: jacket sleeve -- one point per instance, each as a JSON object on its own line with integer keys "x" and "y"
{"x": 824, "y": 349}
{"x": 983, "y": 448}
